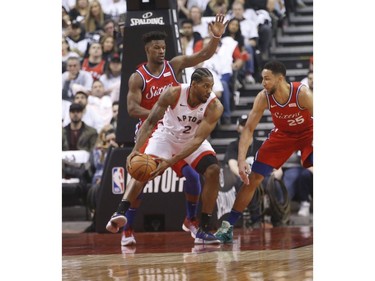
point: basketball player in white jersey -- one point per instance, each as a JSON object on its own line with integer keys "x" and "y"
{"x": 190, "y": 115}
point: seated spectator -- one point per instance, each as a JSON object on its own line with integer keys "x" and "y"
{"x": 94, "y": 63}
{"x": 90, "y": 116}
{"x": 114, "y": 8}
{"x": 111, "y": 78}
{"x": 216, "y": 7}
{"x": 66, "y": 53}
{"x": 109, "y": 46}
{"x": 249, "y": 30}
{"x": 115, "y": 106}
{"x": 109, "y": 28}
{"x": 298, "y": 181}
{"x": 77, "y": 135}
{"x": 101, "y": 103}
{"x": 74, "y": 76}
{"x": 94, "y": 21}
{"x": 199, "y": 25}
{"x": 80, "y": 10}
{"x": 309, "y": 80}
{"x": 77, "y": 39}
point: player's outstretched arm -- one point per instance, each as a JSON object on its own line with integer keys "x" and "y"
{"x": 217, "y": 29}
{"x": 246, "y": 138}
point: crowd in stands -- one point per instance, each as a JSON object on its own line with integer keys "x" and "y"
{"x": 92, "y": 46}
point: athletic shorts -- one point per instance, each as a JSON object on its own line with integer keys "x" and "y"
{"x": 163, "y": 145}
{"x": 278, "y": 147}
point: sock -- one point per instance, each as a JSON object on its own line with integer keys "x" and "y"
{"x": 123, "y": 207}
{"x": 234, "y": 216}
{"x": 205, "y": 221}
{"x": 191, "y": 209}
{"x": 130, "y": 215}
{"x": 192, "y": 185}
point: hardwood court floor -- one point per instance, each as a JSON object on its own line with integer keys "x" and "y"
{"x": 280, "y": 253}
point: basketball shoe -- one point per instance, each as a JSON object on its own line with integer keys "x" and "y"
{"x": 117, "y": 221}
{"x": 127, "y": 237}
{"x": 190, "y": 225}
{"x": 225, "y": 233}
{"x": 202, "y": 237}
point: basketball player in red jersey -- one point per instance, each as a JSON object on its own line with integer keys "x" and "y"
{"x": 145, "y": 87}
{"x": 291, "y": 107}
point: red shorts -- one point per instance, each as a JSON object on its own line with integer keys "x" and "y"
{"x": 278, "y": 147}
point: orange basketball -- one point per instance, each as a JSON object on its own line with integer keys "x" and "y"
{"x": 141, "y": 166}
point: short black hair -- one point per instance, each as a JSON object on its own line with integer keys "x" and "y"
{"x": 277, "y": 67}
{"x": 189, "y": 21}
{"x": 154, "y": 35}
{"x": 200, "y": 73}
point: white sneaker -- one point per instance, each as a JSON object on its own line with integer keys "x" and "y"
{"x": 304, "y": 209}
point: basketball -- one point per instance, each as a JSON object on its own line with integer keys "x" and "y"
{"x": 141, "y": 166}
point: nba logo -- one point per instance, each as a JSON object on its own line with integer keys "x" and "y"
{"x": 118, "y": 186}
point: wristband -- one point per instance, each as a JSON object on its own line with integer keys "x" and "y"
{"x": 214, "y": 36}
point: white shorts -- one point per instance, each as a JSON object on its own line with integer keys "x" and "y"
{"x": 163, "y": 145}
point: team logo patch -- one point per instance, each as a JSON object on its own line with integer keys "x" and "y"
{"x": 118, "y": 180}
{"x": 292, "y": 104}
{"x": 167, "y": 74}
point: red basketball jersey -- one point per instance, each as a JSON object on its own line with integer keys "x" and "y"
{"x": 153, "y": 85}
{"x": 290, "y": 117}
{"x": 96, "y": 71}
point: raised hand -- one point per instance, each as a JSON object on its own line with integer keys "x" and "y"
{"x": 217, "y": 27}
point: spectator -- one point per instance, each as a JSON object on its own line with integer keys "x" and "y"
{"x": 66, "y": 53}
{"x": 76, "y": 38}
{"x": 109, "y": 28}
{"x": 80, "y": 10}
{"x": 309, "y": 80}
{"x": 77, "y": 135}
{"x": 182, "y": 10}
{"x": 106, "y": 140}
{"x": 211, "y": 64}
{"x": 114, "y": 118}
{"x": 298, "y": 181}
{"x": 234, "y": 31}
{"x": 74, "y": 76}
{"x": 114, "y": 8}
{"x": 249, "y": 30}
{"x": 198, "y": 25}
{"x": 200, "y": 4}
{"x": 66, "y": 22}
{"x": 101, "y": 103}
{"x": 108, "y": 46}
{"x": 94, "y": 63}
{"x": 90, "y": 116}
{"x": 216, "y": 6}
{"x": 229, "y": 61}
{"x": 111, "y": 78}
{"x": 191, "y": 42}
{"x": 94, "y": 21}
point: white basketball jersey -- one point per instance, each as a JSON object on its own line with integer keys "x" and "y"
{"x": 181, "y": 122}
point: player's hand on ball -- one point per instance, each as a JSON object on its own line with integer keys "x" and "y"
{"x": 129, "y": 158}
{"x": 163, "y": 164}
